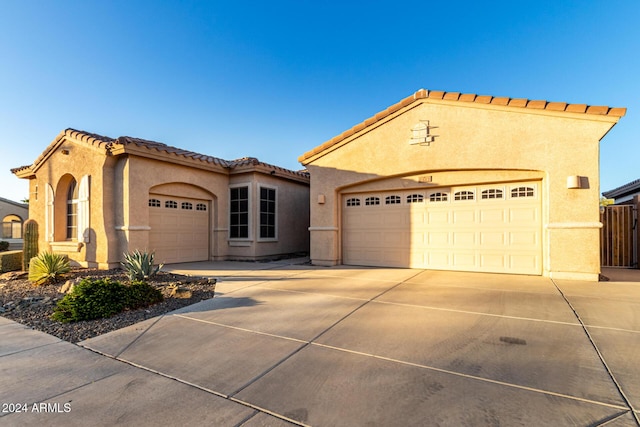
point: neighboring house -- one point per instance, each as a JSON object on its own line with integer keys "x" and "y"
{"x": 95, "y": 198}
{"x": 13, "y": 215}
{"x": 624, "y": 194}
{"x": 463, "y": 182}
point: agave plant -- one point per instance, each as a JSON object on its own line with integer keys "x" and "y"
{"x": 47, "y": 267}
{"x": 139, "y": 265}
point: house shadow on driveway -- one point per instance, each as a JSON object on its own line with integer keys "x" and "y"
{"x": 219, "y": 303}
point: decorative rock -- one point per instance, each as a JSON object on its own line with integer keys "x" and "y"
{"x": 176, "y": 291}
{"x": 13, "y": 275}
{"x": 69, "y": 285}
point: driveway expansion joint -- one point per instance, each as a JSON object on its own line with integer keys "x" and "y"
{"x": 627, "y": 401}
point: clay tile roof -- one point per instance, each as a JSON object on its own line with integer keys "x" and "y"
{"x": 467, "y": 97}
{"x": 110, "y": 144}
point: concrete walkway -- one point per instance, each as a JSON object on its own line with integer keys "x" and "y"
{"x": 290, "y": 344}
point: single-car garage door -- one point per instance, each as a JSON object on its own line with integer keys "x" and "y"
{"x": 488, "y": 228}
{"x": 179, "y": 228}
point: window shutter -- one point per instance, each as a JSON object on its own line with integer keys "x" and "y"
{"x": 83, "y": 210}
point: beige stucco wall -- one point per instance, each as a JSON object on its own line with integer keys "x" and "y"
{"x": 13, "y": 209}
{"x": 481, "y": 143}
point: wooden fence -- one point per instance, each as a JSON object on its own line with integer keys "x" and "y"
{"x": 618, "y": 237}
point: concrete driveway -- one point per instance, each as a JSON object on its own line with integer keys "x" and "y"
{"x": 286, "y": 344}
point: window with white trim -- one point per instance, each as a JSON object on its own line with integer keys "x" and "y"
{"x": 72, "y": 210}
{"x": 267, "y": 213}
{"x": 354, "y": 201}
{"x": 492, "y": 193}
{"x": 463, "y": 195}
{"x": 239, "y": 213}
{"x": 392, "y": 200}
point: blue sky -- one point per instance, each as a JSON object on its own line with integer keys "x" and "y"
{"x": 275, "y": 79}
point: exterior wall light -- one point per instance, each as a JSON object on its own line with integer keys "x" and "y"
{"x": 574, "y": 181}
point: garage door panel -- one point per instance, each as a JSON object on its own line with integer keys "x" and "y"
{"x": 493, "y": 216}
{"x": 493, "y": 238}
{"x": 464, "y": 238}
{"x": 464, "y": 217}
{"x": 492, "y": 234}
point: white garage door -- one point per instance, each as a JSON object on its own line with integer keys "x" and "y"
{"x": 488, "y": 228}
{"x": 179, "y": 229}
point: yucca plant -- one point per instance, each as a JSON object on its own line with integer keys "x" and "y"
{"x": 47, "y": 267}
{"x": 139, "y": 265}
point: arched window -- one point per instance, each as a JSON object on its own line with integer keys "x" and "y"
{"x": 415, "y": 198}
{"x": 72, "y": 210}
{"x": 353, "y": 202}
{"x": 522, "y": 192}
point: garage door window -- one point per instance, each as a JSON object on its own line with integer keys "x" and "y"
{"x": 267, "y": 213}
{"x": 522, "y": 192}
{"x": 372, "y": 201}
{"x": 492, "y": 193}
{"x": 438, "y": 197}
{"x": 463, "y": 195}
{"x": 188, "y": 206}
{"x": 353, "y": 202}
{"x": 201, "y": 207}
{"x": 171, "y": 204}
{"x": 415, "y": 198}
{"x": 392, "y": 200}
{"x": 154, "y": 203}
{"x": 239, "y": 213}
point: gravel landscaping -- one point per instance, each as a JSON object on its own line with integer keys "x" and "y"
{"x": 31, "y": 305}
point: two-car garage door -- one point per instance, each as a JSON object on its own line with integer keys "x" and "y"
{"x": 179, "y": 228}
{"x": 487, "y": 228}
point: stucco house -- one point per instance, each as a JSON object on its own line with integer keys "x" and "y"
{"x": 13, "y": 215}
{"x": 443, "y": 180}
{"x": 96, "y": 197}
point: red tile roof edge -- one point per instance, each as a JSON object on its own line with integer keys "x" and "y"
{"x": 468, "y": 97}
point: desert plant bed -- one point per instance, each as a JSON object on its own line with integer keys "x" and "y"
{"x": 33, "y": 306}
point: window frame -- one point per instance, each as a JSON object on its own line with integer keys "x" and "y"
{"x": 248, "y": 225}
{"x": 260, "y": 200}
{"x": 73, "y": 197}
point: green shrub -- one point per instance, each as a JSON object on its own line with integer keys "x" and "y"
{"x": 91, "y": 299}
{"x": 4, "y": 245}
{"x": 139, "y": 265}
{"x": 10, "y": 261}
{"x": 47, "y": 267}
{"x": 99, "y": 298}
{"x": 142, "y": 294}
